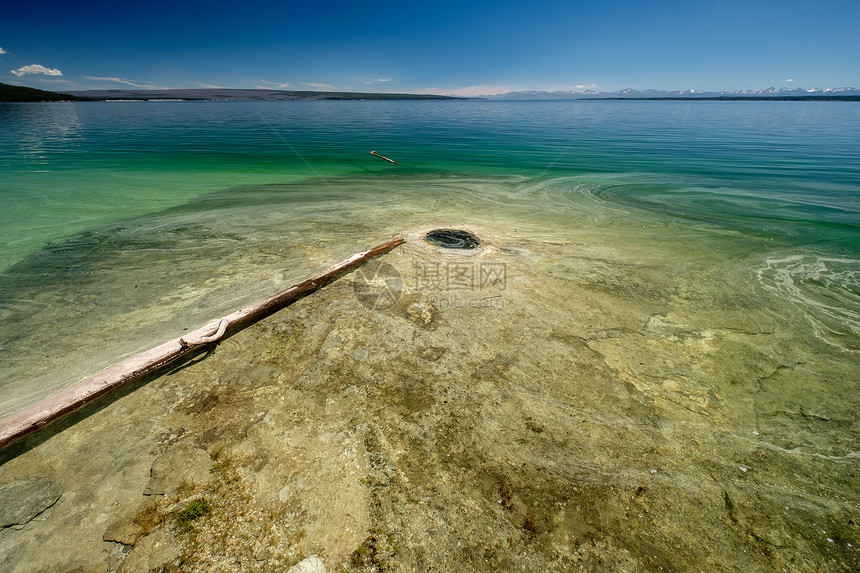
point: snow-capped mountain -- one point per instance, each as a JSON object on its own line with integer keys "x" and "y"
{"x": 631, "y": 93}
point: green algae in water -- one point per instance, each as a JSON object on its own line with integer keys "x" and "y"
{"x": 641, "y": 408}
{"x": 670, "y": 380}
{"x": 195, "y": 509}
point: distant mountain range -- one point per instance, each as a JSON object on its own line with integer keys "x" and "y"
{"x": 273, "y": 95}
{"x": 772, "y": 93}
{"x": 229, "y": 94}
{"x": 12, "y": 93}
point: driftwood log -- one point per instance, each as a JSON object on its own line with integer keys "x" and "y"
{"x": 375, "y": 154}
{"x": 39, "y": 415}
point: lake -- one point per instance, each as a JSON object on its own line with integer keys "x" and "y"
{"x": 652, "y": 354}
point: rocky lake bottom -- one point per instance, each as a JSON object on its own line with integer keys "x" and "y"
{"x": 573, "y": 402}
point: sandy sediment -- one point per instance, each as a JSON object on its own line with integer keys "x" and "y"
{"x": 586, "y": 410}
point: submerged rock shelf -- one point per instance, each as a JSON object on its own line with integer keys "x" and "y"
{"x": 598, "y": 418}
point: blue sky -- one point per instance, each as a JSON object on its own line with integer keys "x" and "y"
{"x": 418, "y": 46}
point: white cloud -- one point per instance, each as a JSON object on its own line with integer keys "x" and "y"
{"x": 376, "y": 81}
{"x": 37, "y": 69}
{"x": 320, "y": 87}
{"x": 267, "y": 85}
{"x": 790, "y": 80}
{"x": 117, "y": 80}
{"x": 142, "y": 85}
{"x": 2, "y": 51}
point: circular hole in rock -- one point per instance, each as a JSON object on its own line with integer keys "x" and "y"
{"x": 452, "y": 239}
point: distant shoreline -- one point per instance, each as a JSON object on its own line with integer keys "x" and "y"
{"x": 21, "y": 94}
{"x": 245, "y": 95}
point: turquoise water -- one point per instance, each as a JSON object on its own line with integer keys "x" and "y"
{"x": 93, "y": 191}
{"x": 666, "y": 378}
{"x": 781, "y": 167}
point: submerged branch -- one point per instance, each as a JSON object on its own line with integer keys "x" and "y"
{"x": 89, "y": 389}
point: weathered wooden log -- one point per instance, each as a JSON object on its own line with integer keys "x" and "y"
{"x": 39, "y": 415}
{"x": 375, "y": 154}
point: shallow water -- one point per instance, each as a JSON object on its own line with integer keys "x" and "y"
{"x": 677, "y": 321}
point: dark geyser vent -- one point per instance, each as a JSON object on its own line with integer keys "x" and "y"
{"x": 452, "y": 239}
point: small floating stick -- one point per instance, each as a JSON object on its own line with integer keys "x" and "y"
{"x": 385, "y": 158}
{"x": 74, "y": 397}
